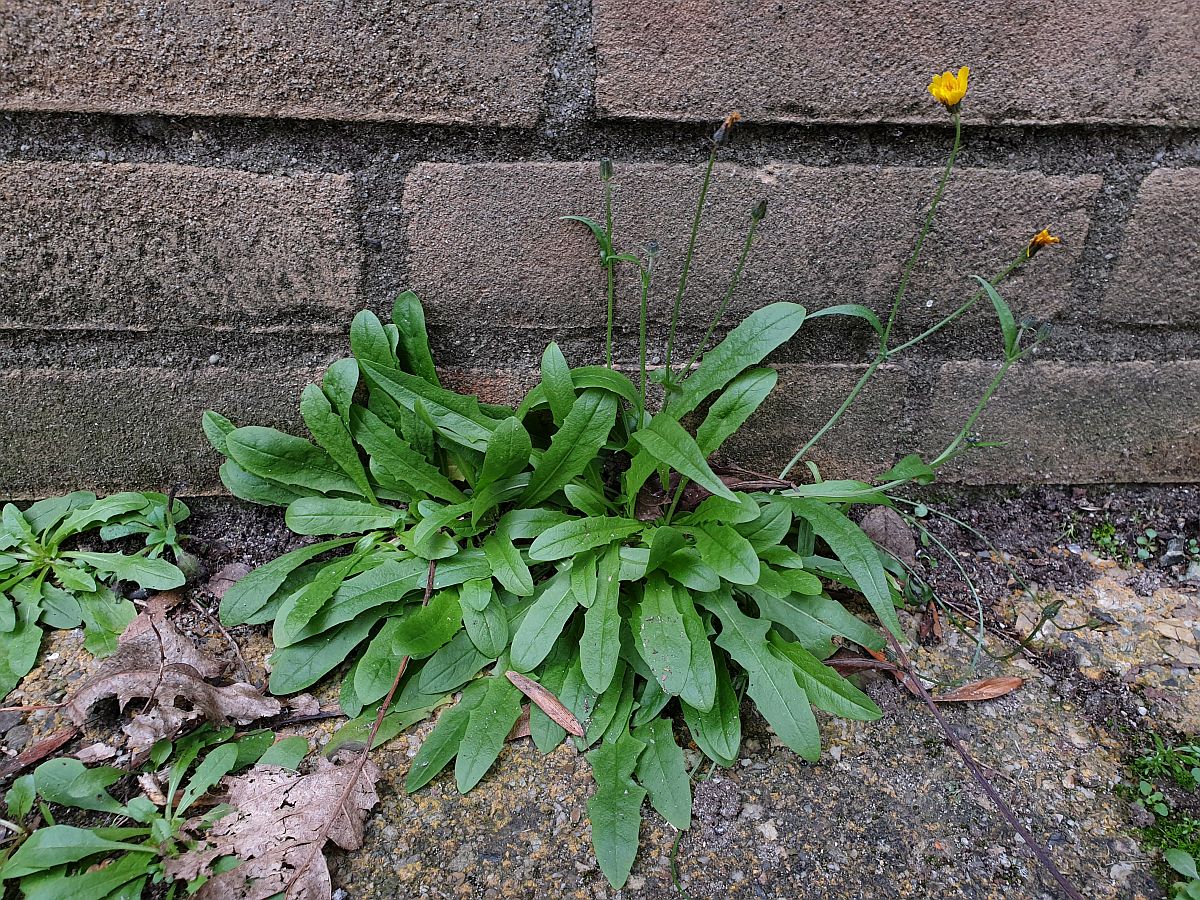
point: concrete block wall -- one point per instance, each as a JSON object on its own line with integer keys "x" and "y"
{"x": 196, "y": 197}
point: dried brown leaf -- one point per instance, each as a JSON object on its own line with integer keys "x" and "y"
{"x": 278, "y": 816}
{"x": 154, "y": 661}
{"x": 225, "y": 578}
{"x": 547, "y": 703}
{"x": 887, "y": 528}
{"x": 930, "y": 630}
{"x": 39, "y": 751}
{"x": 520, "y": 727}
{"x": 985, "y": 689}
{"x": 95, "y": 753}
{"x": 304, "y": 705}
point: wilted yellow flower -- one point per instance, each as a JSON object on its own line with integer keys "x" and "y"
{"x": 721, "y": 138}
{"x": 948, "y": 88}
{"x": 1042, "y": 239}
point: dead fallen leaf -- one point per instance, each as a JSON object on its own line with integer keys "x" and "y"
{"x": 888, "y": 529}
{"x": 278, "y": 816}
{"x": 304, "y": 705}
{"x": 930, "y": 630}
{"x": 547, "y": 703}
{"x": 520, "y": 727}
{"x": 95, "y": 753}
{"x": 152, "y": 789}
{"x": 985, "y": 689}
{"x": 848, "y": 665}
{"x": 901, "y": 676}
{"x": 156, "y": 662}
{"x": 225, "y": 578}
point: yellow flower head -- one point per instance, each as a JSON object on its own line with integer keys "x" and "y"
{"x": 721, "y": 138}
{"x": 948, "y": 88}
{"x": 1042, "y": 239}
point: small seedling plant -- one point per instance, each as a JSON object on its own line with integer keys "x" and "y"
{"x": 122, "y": 859}
{"x": 45, "y": 582}
{"x": 585, "y": 540}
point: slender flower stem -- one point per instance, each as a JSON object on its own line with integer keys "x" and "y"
{"x": 609, "y": 264}
{"x": 687, "y": 257}
{"x": 916, "y": 253}
{"x": 946, "y": 454}
{"x": 733, "y": 283}
{"x": 850, "y": 398}
{"x": 647, "y": 274}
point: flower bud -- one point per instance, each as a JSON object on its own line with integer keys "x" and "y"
{"x": 606, "y": 168}
{"x": 1044, "y": 330}
{"x": 760, "y": 210}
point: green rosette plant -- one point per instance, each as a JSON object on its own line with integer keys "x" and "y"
{"x": 582, "y": 541}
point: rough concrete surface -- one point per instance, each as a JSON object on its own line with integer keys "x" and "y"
{"x": 1158, "y": 279}
{"x": 1073, "y": 424}
{"x": 459, "y": 61}
{"x": 830, "y": 61}
{"x": 832, "y": 235}
{"x": 127, "y": 246}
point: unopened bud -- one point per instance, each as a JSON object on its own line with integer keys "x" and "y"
{"x": 606, "y": 168}
{"x": 652, "y": 249}
{"x": 721, "y": 137}
{"x": 1044, "y": 330}
{"x": 760, "y": 210}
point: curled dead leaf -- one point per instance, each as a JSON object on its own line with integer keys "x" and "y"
{"x": 520, "y": 727}
{"x": 278, "y": 816}
{"x": 984, "y": 689}
{"x": 889, "y": 531}
{"x": 155, "y": 662}
{"x": 547, "y": 703}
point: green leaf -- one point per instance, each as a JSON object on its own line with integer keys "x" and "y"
{"x": 748, "y": 344}
{"x": 730, "y": 411}
{"x": 331, "y": 515}
{"x": 610, "y": 711}
{"x": 772, "y": 525}
{"x": 105, "y": 510}
{"x": 331, "y": 432}
{"x": 814, "y": 634}
{"x": 20, "y": 797}
{"x": 289, "y": 460}
{"x": 911, "y": 468}
{"x": 664, "y": 542}
{"x": 1181, "y": 861}
{"x": 57, "y": 844}
{"x": 151, "y": 574}
{"x": 45, "y": 514}
{"x": 700, "y": 685}
{"x": 615, "y": 811}
{"x": 213, "y": 768}
{"x": 579, "y": 535}
{"x": 254, "y": 489}
{"x": 740, "y": 510}
{"x": 773, "y": 685}
{"x": 443, "y": 742}
{"x": 70, "y": 783}
{"x": 718, "y": 731}
{"x": 688, "y": 568}
{"x": 476, "y": 594}
{"x": 668, "y": 442}
{"x": 413, "y": 347}
{"x": 457, "y": 418}
{"x": 855, "y": 551}
{"x": 825, "y": 609}
{"x": 527, "y": 524}
{"x": 728, "y": 553}
{"x": 300, "y": 608}
{"x": 556, "y": 382}
{"x": 583, "y": 578}
{"x": 300, "y": 665}
{"x": 253, "y": 590}
{"x": 216, "y": 428}
{"x": 586, "y": 499}
{"x": 598, "y": 232}
{"x": 488, "y": 725}
{"x": 507, "y": 452}
{"x": 850, "y": 309}
{"x": 600, "y": 646}
{"x": 287, "y": 753}
{"x": 20, "y": 644}
{"x": 1008, "y": 325}
{"x": 543, "y": 622}
{"x": 395, "y": 462}
{"x": 488, "y": 628}
{"x": 843, "y": 491}
{"x": 574, "y": 446}
{"x": 369, "y": 340}
{"x": 661, "y": 770}
{"x": 826, "y": 689}
{"x": 452, "y": 666}
{"x": 339, "y": 383}
{"x": 661, "y": 638}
